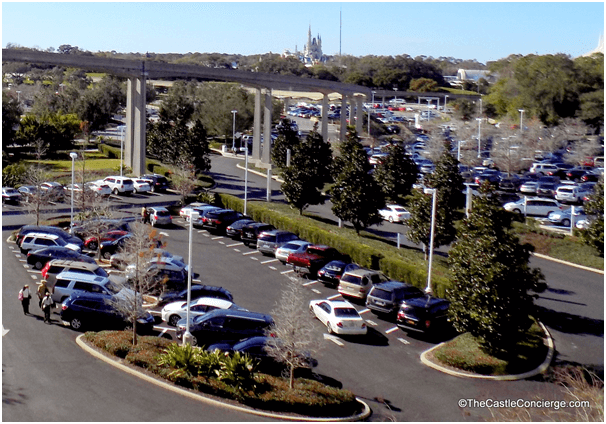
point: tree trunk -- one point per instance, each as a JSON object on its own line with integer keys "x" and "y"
{"x": 292, "y": 377}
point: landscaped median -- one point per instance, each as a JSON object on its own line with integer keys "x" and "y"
{"x": 226, "y": 380}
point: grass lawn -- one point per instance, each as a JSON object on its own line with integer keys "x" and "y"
{"x": 464, "y": 353}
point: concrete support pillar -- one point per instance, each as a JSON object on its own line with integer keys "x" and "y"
{"x": 359, "y": 115}
{"x": 134, "y": 144}
{"x": 266, "y": 159}
{"x": 324, "y": 130}
{"x": 256, "y": 150}
{"x": 343, "y": 130}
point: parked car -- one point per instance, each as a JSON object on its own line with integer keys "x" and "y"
{"x": 269, "y": 241}
{"x": 82, "y": 229}
{"x": 35, "y": 241}
{"x": 534, "y": 206}
{"x": 312, "y": 259}
{"x": 141, "y": 186}
{"x": 529, "y": 187}
{"x": 563, "y": 217}
{"x": 330, "y": 274}
{"x": 225, "y": 325}
{"x": 491, "y": 175}
{"x": 252, "y": 230}
{"x": 426, "y": 314}
{"x": 202, "y": 212}
{"x": 541, "y": 168}
{"x": 40, "y": 257}
{"x": 339, "y": 317}
{"x": 93, "y": 311}
{"x": 197, "y": 291}
{"x": 120, "y": 185}
{"x": 546, "y": 189}
{"x": 52, "y": 190}
{"x": 295, "y": 246}
{"x": 186, "y": 210}
{"x": 394, "y": 213}
{"x": 10, "y": 195}
{"x": 27, "y": 192}
{"x": 174, "y": 312}
{"x": 98, "y": 188}
{"x": 357, "y": 283}
{"x": 218, "y": 220}
{"x": 159, "y": 215}
{"x": 511, "y": 183}
{"x": 570, "y": 194}
{"x": 157, "y": 182}
{"x": 385, "y": 298}
{"x": 47, "y": 229}
{"x": 55, "y": 267}
{"x": 165, "y": 275}
{"x": 69, "y": 282}
{"x": 234, "y": 230}
{"x": 575, "y": 174}
{"x": 118, "y": 260}
{"x": 92, "y": 243}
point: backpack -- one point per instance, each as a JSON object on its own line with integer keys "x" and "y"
{"x": 20, "y": 294}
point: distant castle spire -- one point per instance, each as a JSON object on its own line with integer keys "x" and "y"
{"x": 599, "y": 48}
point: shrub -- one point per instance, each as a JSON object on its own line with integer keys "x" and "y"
{"x": 238, "y": 370}
{"x": 185, "y": 359}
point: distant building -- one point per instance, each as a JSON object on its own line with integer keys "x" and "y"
{"x": 312, "y": 52}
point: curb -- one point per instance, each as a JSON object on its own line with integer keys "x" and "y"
{"x": 201, "y": 398}
{"x": 512, "y": 377}
{"x": 585, "y": 268}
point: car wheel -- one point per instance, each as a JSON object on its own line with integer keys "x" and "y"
{"x": 93, "y": 245}
{"x": 173, "y": 320}
{"x": 391, "y": 219}
{"x": 116, "y": 192}
{"x": 517, "y": 211}
{"x": 107, "y": 255}
{"x": 38, "y": 265}
{"x": 329, "y": 328}
{"x": 153, "y": 189}
{"x": 75, "y": 324}
{"x": 311, "y": 311}
{"x": 566, "y": 223}
{"x": 194, "y": 341}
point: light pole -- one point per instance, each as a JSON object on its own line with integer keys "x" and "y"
{"x": 122, "y": 128}
{"x": 233, "y": 133}
{"x": 372, "y": 105}
{"x": 521, "y": 119}
{"x": 479, "y": 134}
{"x": 445, "y": 100}
{"x": 246, "y": 178}
{"x": 187, "y": 336}
{"x": 73, "y": 155}
{"x": 434, "y": 193}
{"x": 18, "y": 96}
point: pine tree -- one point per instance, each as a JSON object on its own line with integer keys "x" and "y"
{"x": 356, "y": 196}
{"x": 491, "y": 279}
{"x": 594, "y": 235}
{"x": 396, "y": 175}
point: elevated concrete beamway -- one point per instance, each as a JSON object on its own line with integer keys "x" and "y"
{"x": 138, "y": 71}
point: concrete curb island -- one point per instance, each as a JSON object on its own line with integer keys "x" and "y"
{"x": 204, "y": 399}
{"x": 539, "y": 370}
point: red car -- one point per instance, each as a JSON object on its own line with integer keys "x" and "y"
{"x": 93, "y": 244}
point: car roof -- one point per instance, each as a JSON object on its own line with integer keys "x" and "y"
{"x": 392, "y": 284}
{"x": 42, "y": 235}
{"x": 73, "y": 263}
{"x": 361, "y": 272}
{"x": 338, "y": 303}
{"x": 158, "y": 208}
{"x": 424, "y": 301}
{"x": 69, "y": 275}
{"x": 212, "y": 301}
{"x": 258, "y": 316}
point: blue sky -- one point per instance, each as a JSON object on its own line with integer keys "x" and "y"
{"x": 483, "y": 31}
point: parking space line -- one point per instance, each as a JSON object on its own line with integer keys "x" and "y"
{"x": 272, "y": 268}
{"x": 316, "y": 291}
{"x": 391, "y": 330}
{"x": 163, "y": 233}
{"x": 22, "y": 260}
{"x": 236, "y": 250}
{"x": 34, "y": 277}
{"x": 287, "y": 271}
{"x": 206, "y": 235}
{"x": 217, "y": 238}
{"x": 270, "y": 261}
{"x": 221, "y": 242}
{"x": 310, "y": 283}
{"x": 196, "y": 281}
{"x": 334, "y": 296}
{"x": 254, "y": 259}
{"x": 333, "y": 339}
{"x": 403, "y": 340}
{"x": 252, "y": 252}
{"x": 35, "y": 271}
{"x": 234, "y": 244}
{"x": 374, "y": 324}
{"x": 364, "y": 311}
{"x": 25, "y": 266}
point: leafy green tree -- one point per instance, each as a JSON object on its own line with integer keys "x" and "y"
{"x": 396, "y": 175}
{"x": 464, "y": 109}
{"x": 356, "y": 196}
{"x": 178, "y": 105}
{"x": 590, "y": 80}
{"x": 15, "y": 174}
{"x": 98, "y": 104}
{"x": 491, "y": 279}
{"x": 287, "y": 139}
{"x": 307, "y": 173}
{"x": 56, "y": 131}
{"x": 423, "y": 85}
{"x": 11, "y": 117}
{"x": 594, "y": 235}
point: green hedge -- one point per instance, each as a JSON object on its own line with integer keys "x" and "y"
{"x": 385, "y": 260}
{"x": 109, "y": 151}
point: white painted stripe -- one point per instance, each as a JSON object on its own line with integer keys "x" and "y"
{"x": 403, "y": 340}
{"x": 22, "y": 260}
{"x": 371, "y": 322}
{"x": 195, "y": 281}
{"x": 272, "y": 268}
{"x": 206, "y": 235}
{"x": 234, "y": 244}
{"x": 236, "y": 250}
{"x": 334, "y": 296}
{"x": 391, "y": 330}
{"x": 333, "y": 339}
{"x": 316, "y": 291}
{"x": 270, "y": 261}
{"x": 287, "y": 272}
{"x": 34, "y": 277}
{"x": 310, "y": 283}
{"x": 25, "y": 266}
{"x": 34, "y": 271}
{"x": 364, "y": 311}
{"x": 252, "y": 252}
{"x": 254, "y": 259}
{"x": 162, "y": 233}
{"x": 221, "y": 242}
{"x": 217, "y": 238}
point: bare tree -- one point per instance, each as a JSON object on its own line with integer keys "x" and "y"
{"x": 293, "y": 332}
{"x": 184, "y": 180}
{"x": 35, "y": 176}
{"x": 138, "y": 250}
{"x": 95, "y": 219}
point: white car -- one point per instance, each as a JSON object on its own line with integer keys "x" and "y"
{"x": 339, "y": 316}
{"x": 176, "y": 311}
{"x": 529, "y": 187}
{"x": 295, "y": 246}
{"x": 99, "y": 188}
{"x": 570, "y": 194}
{"x": 534, "y": 206}
{"x": 394, "y": 213}
{"x": 141, "y": 186}
{"x": 185, "y": 211}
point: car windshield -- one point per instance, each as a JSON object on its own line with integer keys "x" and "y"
{"x": 346, "y": 313}
{"x": 399, "y": 209}
{"x": 112, "y": 287}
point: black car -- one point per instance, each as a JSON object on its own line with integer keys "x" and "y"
{"x": 575, "y": 174}
{"x": 225, "y": 325}
{"x": 108, "y": 248}
{"x": 197, "y": 291}
{"x": 546, "y": 189}
{"x": 91, "y": 310}
{"x": 386, "y": 298}
{"x": 218, "y": 220}
{"x": 491, "y": 175}
{"x": 251, "y": 231}
{"x": 234, "y": 230}
{"x": 82, "y": 229}
{"x": 425, "y": 314}
{"x": 511, "y": 183}
{"x": 48, "y": 229}
{"x": 330, "y": 274}
{"x": 157, "y": 182}
{"x": 10, "y": 195}
{"x": 39, "y": 258}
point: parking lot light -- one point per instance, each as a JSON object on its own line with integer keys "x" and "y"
{"x": 73, "y": 155}
{"x": 233, "y": 133}
{"x": 434, "y": 193}
{"x": 187, "y": 337}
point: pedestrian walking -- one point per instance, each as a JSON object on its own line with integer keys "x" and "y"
{"x": 25, "y": 296}
{"x": 145, "y": 215}
{"x": 47, "y": 303}
{"x": 42, "y": 290}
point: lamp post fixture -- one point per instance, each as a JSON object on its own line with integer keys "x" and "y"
{"x": 233, "y": 133}
{"x": 187, "y": 337}
{"x": 434, "y": 193}
{"x": 372, "y": 105}
{"x": 18, "y": 96}
{"x": 445, "y": 100}
{"x": 246, "y": 178}
{"x": 521, "y": 119}
{"x": 122, "y": 129}
{"x": 479, "y": 135}
{"x": 73, "y": 155}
